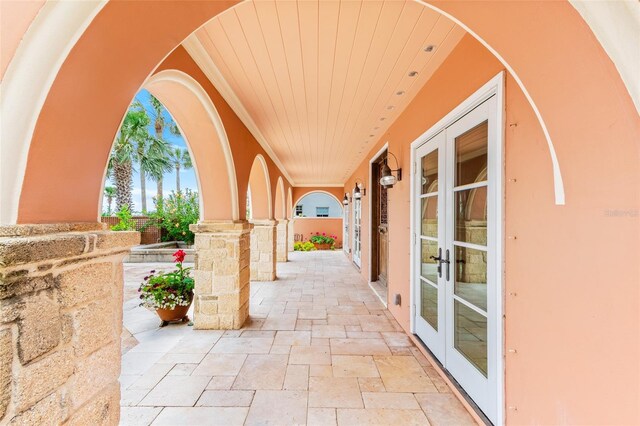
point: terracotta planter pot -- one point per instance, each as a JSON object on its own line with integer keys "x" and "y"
{"x": 177, "y": 314}
{"x": 324, "y": 246}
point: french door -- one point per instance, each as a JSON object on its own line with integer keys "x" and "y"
{"x": 357, "y": 230}
{"x": 345, "y": 228}
{"x": 457, "y": 228}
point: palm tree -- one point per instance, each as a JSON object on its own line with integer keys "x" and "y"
{"x": 181, "y": 160}
{"x": 152, "y": 155}
{"x": 133, "y": 130}
{"x": 134, "y": 144}
{"x": 160, "y": 122}
{"x": 110, "y": 193}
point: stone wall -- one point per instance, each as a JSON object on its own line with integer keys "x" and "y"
{"x": 290, "y": 235}
{"x": 221, "y": 274}
{"x": 60, "y": 323}
{"x": 282, "y": 253}
{"x": 263, "y": 250}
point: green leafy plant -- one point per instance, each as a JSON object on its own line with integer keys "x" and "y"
{"x": 304, "y": 246}
{"x": 126, "y": 220}
{"x": 323, "y": 238}
{"x": 170, "y": 289}
{"x": 175, "y": 214}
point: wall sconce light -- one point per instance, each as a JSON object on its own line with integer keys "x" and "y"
{"x": 345, "y": 200}
{"x": 387, "y": 178}
{"x": 359, "y": 191}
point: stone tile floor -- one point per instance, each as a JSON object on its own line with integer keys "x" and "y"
{"x": 320, "y": 349}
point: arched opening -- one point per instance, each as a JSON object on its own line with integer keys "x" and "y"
{"x": 260, "y": 190}
{"x": 318, "y": 212}
{"x": 263, "y": 241}
{"x": 280, "y": 208}
{"x": 289, "y": 204}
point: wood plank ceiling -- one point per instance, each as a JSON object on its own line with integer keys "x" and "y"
{"x": 319, "y": 82}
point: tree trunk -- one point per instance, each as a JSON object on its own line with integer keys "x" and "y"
{"x": 124, "y": 182}
{"x": 177, "y": 177}
{"x": 143, "y": 190}
{"x": 159, "y": 194}
{"x": 109, "y": 202}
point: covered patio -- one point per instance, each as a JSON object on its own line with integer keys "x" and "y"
{"x": 319, "y": 348}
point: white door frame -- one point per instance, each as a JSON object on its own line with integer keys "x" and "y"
{"x": 346, "y": 227}
{"x": 353, "y": 232}
{"x": 372, "y": 160}
{"x": 494, "y": 87}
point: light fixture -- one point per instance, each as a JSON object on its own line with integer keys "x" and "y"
{"x": 413, "y": 73}
{"x": 345, "y": 200}
{"x": 400, "y": 92}
{"x": 359, "y": 190}
{"x": 429, "y": 48}
{"x": 387, "y": 179}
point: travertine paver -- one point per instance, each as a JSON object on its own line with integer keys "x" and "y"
{"x": 319, "y": 349}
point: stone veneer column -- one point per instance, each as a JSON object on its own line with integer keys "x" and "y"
{"x": 221, "y": 274}
{"x": 282, "y": 254}
{"x": 60, "y": 323}
{"x": 263, "y": 250}
{"x": 290, "y": 236}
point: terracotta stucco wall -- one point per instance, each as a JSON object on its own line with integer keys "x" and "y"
{"x": 573, "y": 309}
{"x": 309, "y": 226}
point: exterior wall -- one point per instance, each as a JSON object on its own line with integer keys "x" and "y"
{"x": 309, "y": 226}
{"x": 318, "y": 199}
{"x": 554, "y": 298}
{"x": 60, "y": 323}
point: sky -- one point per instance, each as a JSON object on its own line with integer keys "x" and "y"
{"x": 187, "y": 177}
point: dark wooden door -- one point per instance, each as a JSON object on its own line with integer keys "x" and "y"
{"x": 383, "y": 237}
{"x": 380, "y": 228}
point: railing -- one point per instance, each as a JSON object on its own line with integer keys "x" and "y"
{"x": 150, "y": 235}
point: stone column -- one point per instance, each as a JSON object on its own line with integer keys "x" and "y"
{"x": 282, "y": 254}
{"x": 60, "y": 323}
{"x": 263, "y": 250}
{"x": 221, "y": 274}
{"x": 290, "y": 235}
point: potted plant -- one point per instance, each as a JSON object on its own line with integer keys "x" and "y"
{"x": 169, "y": 293}
{"x": 322, "y": 241}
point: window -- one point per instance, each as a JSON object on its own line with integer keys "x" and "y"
{"x": 299, "y": 210}
{"x": 322, "y": 211}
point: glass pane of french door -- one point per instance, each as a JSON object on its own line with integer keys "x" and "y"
{"x": 470, "y": 245}
{"x": 429, "y": 238}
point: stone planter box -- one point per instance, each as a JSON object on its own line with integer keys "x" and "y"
{"x": 160, "y": 252}
{"x": 322, "y": 246}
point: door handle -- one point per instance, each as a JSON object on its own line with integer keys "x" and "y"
{"x": 447, "y": 261}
